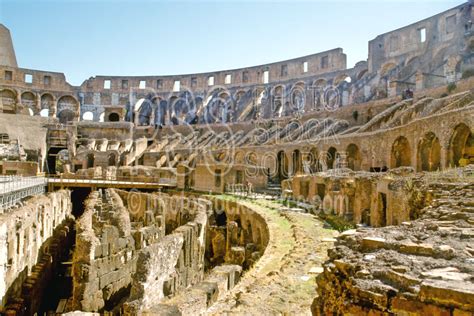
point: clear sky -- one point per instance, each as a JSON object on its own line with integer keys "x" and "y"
{"x": 88, "y": 38}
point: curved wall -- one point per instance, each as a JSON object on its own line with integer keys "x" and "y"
{"x": 426, "y": 54}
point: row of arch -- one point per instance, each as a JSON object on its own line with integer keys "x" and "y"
{"x": 65, "y": 108}
{"x": 428, "y": 156}
{"x": 222, "y": 106}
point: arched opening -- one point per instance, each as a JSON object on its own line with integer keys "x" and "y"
{"x": 28, "y": 100}
{"x": 277, "y": 101}
{"x": 47, "y": 104}
{"x": 90, "y": 160}
{"x": 298, "y": 97}
{"x": 296, "y": 162}
{"x": 401, "y": 153}
{"x": 114, "y": 117}
{"x": 282, "y": 165}
{"x": 318, "y": 93}
{"x": 8, "y": 100}
{"x": 225, "y": 107}
{"x": 461, "y": 146}
{"x": 353, "y": 157}
{"x": 101, "y": 117}
{"x": 385, "y": 69}
{"x": 88, "y": 116}
{"x": 30, "y": 112}
{"x": 143, "y": 110}
{"x": 331, "y": 157}
{"x": 52, "y": 160}
{"x": 67, "y": 109}
{"x": 112, "y": 160}
{"x": 429, "y": 153}
{"x": 172, "y": 102}
{"x": 314, "y": 160}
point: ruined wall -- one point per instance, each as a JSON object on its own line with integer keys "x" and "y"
{"x": 422, "y": 267}
{"x": 375, "y": 199}
{"x": 32, "y": 239}
{"x": 136, "y": 246}
{"x": 177, "y": 261}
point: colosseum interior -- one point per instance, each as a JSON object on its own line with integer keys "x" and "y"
{"x": 292, "y": 188}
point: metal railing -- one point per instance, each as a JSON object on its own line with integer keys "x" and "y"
{"x": 15, "y": 188}
{"x": 113, "y": 179}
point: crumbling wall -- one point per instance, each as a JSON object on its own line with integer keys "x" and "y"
{"x": 122, "y": 251}
{"x": 423, "y": 267}
{"x": 105, "y": 254}
{"x": 375, "y": 199}
{"x": 32, "y": 239}
{"x": 176, "y": 261}
{"x": 237, "y": 234}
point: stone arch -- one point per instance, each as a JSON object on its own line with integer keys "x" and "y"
{"x": 386, "y": 68}
{"x": 461, "y": 143}
{"x": 400, "y": 153}
{"x": 314, "y": 160}
{"x": 298, "y": 97}
{"x": 277, "y": 95}
{"x": 28, "y": 100}
{"x": 8, "y": 99}
{"x": 429, "y": 153}
{"x": 354, "y": 158}
{"x": 342, "y": 78}
{"x": 297, "y": 162}
{"x": 225, "y": 106}
{"x": 361, "y": 74}
{"x": 67, "y": 109}
{"x": 47, "y": 104}
{"x": 319, "y": 85}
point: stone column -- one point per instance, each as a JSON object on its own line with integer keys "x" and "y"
{"x": 420, "y": 80}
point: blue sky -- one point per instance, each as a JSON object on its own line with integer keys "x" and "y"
{"x": 88, "y": 38}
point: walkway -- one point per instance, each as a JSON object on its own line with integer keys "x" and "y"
{"x": 15, "y": 188}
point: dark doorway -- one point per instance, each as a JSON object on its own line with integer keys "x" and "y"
{"x": 282, "y": 166}
{"x": 52, "y": 155}
{"x": 331, "y": 157}
{"x": 66, "y": 116}
{"x": 114, "y": 117}
{"x": 383, "y": 209}
{"x": 90, "y": 160}
{"x": 78, "y": 196}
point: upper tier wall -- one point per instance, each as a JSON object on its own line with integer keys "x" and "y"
{"x": 429, "y": 53}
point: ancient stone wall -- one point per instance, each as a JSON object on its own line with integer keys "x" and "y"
{"x": 33, "y": 237}
{"x": 375, "y": 199}
{"x": 122, "y": 251}
{"x": 422, "y": 267}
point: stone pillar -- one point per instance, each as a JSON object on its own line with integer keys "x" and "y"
{"x": 38, "y": 103}
{"x": 291, "y": 172}
{"x": 420, "y": 81}
{"x": 392, "y": 88}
